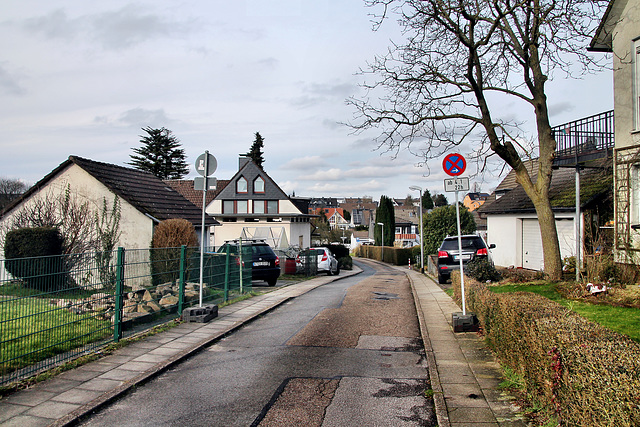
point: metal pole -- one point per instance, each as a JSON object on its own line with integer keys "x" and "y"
{"x": 421, "y": 237}
{"x": 204, "y": 201}
{"x": 464, "y": 306}
{"x": 578, "y": 224}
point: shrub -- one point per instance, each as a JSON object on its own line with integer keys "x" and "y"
{"x": 35, "y": 256}
{"x": 168, "y": 236}
{"x": 585, "y": 373}
{"x": 482, "y": 270}
{"x": 341, "y": 252}
{"x": 441, "y": 222}
{"x": 396, "y": 256}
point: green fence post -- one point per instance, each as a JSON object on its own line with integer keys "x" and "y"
{"x": 117, "y": 321}
{"x": 183, "y": 272}
{"x": 226, "y": 275}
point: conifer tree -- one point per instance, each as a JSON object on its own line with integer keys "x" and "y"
{"x": 160, "y": 154}
{"x": 386, "y": 215}
{"x": 255, "y": 153}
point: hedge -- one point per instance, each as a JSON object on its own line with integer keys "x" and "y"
{"x": 395, "y": 256}
{"x": 587, "y": 374}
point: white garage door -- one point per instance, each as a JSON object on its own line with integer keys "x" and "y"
{"x": 532, "y": 257}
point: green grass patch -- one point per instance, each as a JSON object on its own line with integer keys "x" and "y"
{"x": 32, "y": 330}
{"x": 624, "y": 320}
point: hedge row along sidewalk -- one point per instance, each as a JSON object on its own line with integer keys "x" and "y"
{"x": 584, "y": 373}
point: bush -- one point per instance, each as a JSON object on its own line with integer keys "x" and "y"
{"x": 35, "y": 256}
{"x": 441, "y": 222}
{"x": 585, "y": 373}
{"x": 168, "y": 236}
{"x": 482, "y": 270}
{"x": 396, "y": 256}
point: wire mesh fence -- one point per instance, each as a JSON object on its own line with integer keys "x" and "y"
{"x": 56, "y": 308}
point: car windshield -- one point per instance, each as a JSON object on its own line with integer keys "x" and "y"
{"x": 467, "y": 243}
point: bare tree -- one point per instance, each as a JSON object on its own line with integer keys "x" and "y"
{"x": 10, "y": 189}
{"x": 462, "y": 61}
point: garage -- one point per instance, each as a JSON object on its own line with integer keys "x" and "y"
{"x": 532, "y": 257}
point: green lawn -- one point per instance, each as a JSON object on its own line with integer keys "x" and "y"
{"x": 31, "y": 330}
{"x": 620, "y": 319}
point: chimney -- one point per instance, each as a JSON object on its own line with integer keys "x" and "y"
{"x": 243, "y": 161}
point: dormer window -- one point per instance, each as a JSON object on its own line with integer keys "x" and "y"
{"x": 241, "y": 185}
{"x": 258, "y": 185}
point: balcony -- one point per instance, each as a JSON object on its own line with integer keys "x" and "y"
{"x": 586, "y": 139}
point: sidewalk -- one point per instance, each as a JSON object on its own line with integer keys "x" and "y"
{"x": 62, "y": 400}
{"x": 464, "y": 373}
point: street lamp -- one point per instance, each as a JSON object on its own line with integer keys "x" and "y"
{"x": 416, "y": 188}
{"x": 382, "y": 239}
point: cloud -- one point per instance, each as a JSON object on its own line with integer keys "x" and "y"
{"x": 9, "y": 84}
{"x": 55, "y": 25}
{"x": 128, "y": 26}
{"x": 304, "y": 163}
{"x": 333, "y": 174}
{"x": 117, "y": 29}
{"x": 560, "y": 107}
{"x": 137, "y": 117}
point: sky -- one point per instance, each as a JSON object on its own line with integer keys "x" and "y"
{"x": 83, "y": 78}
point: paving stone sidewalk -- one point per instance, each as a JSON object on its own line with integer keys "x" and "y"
{"x": 464, "y": 373}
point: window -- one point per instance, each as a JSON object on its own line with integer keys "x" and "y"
{"x": 241, "y": 185}
{"x": 228, "y": 207}
{"x": 272, "y": 206}
{"x": 258, "y": 206}
{"x": 242, "y": 206}
{"x": 258, "y": 185}
{"x": 634, "y": 211}
{"x": 636, "y": 85}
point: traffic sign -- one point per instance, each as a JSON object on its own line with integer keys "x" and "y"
{"x": 204, "y": 183}
{"x": 206, "y": 159}
{"x": 454, "y": 164}
{"x": 456, "y": 184}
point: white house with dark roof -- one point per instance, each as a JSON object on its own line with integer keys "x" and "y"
{"x": 252, "y": 205}
{"x": 145, "y": 200}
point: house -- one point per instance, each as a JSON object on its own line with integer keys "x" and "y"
{"x": 335, "y": 217}
{"x": 251, "y": 205}
{"x": 473, "y": 201}
{"x": 145, "y": 199}
{"x": 407, "y": 219}
{"x": 512, "y": 224}
{"x": 619, "y": 32}
{"x": 362, "y": 210}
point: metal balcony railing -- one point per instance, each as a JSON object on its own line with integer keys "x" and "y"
{"x": 585, "y": 139}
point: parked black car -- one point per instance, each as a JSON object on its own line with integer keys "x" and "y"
{"x": 472, "y": 247}
{"x": 266, "y": 264}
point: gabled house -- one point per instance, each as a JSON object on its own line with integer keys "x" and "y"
{"x": 145, "y": 199}
{"x": 407, "y": 219}
{"x": 473, "y": 201}
{"x": 251, "y": 205}
{"x": 512, "y": 223}
{"x": 619, "y": 32}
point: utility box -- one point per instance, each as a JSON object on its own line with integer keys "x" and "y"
{"x": 465, "y": 323}
{"x": 200, "y": 314}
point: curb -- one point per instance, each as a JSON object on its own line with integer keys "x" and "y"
{"x": 439, "y": 403}
{"x": 75, "y": 416}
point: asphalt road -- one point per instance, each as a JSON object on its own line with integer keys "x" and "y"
{"x": 346, "y": 353}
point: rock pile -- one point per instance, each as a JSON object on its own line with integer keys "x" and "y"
{"x": 136, "y": 303}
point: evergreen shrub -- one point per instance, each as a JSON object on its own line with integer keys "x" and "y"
{"x": 34, "y": 255}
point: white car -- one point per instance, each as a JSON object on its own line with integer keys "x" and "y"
{"x": 327, "y": 262}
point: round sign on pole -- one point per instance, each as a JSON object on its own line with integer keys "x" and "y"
{"x": 454, "y": 164}
{"x": 211, "y": 164}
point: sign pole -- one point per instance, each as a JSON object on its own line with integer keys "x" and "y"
{"x": 464, "y": 306}
{"x": 204, "y": 201}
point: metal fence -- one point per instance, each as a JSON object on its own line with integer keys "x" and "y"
{"x": 56, "y": 308}
{"x": 585, "y": 139}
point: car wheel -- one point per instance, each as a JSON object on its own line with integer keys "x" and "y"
{"x": 272, "y": 282}
{"x": 441, "y": 279}
{"x": 338, "y": 269}
{"x": 329, "y": 272}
